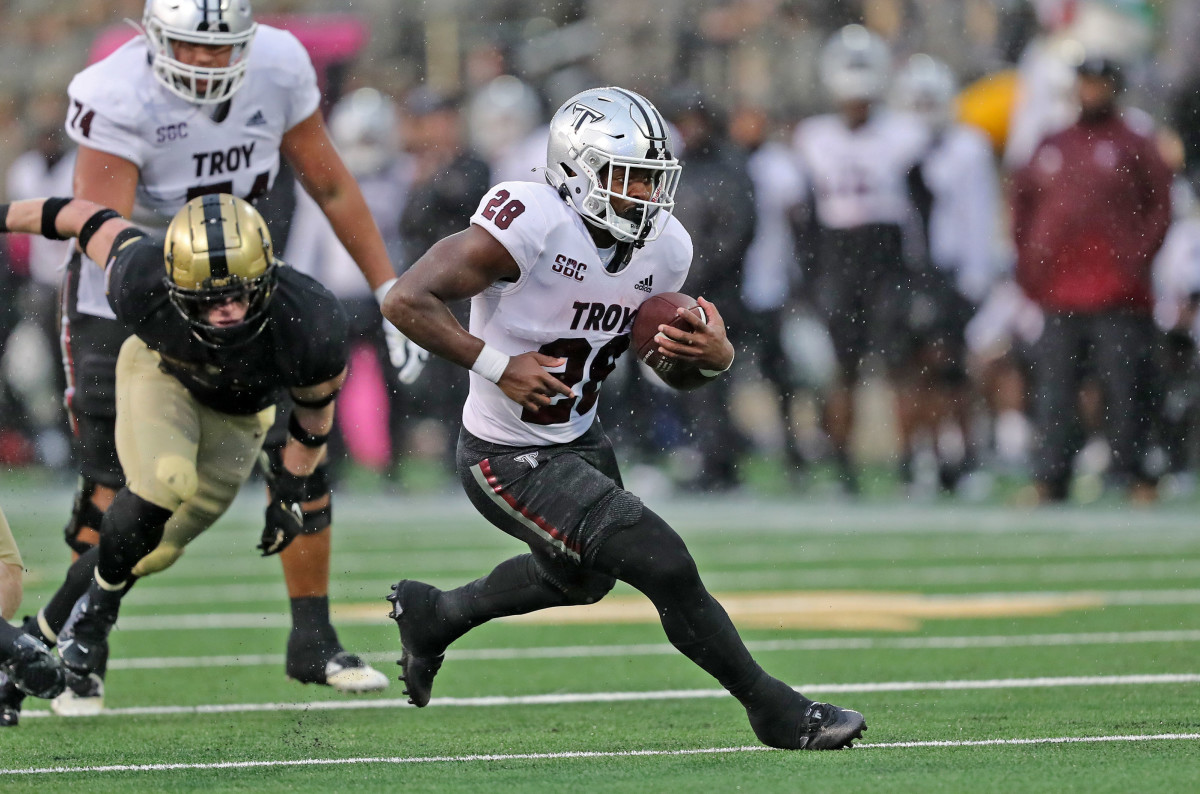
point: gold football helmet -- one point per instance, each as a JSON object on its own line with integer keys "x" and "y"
{"x": 218, "y": 249}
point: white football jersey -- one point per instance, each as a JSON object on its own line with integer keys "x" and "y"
{"x": 565, "y": 304}
{"x": 770, "y": 264}
{"x": 961, "y": 174}
{"x": 858, "y": 175}
{"x": 117, "y": 107}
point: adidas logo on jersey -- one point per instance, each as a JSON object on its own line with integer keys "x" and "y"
{"x": 646, "y": 284}
{"x": 257, "y": 120}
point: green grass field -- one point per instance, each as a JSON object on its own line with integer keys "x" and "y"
{"x": 990, "y": 650}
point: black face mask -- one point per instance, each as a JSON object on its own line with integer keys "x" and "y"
{"x": 193, "y": 305}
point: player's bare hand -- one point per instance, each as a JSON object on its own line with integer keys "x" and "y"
{"x": 527, "y": 382}
{"x": 703, "y": 344}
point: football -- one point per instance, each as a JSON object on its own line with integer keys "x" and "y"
{"x": 660, "y": 310}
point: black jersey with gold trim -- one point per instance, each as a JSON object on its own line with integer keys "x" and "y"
{"x": 302, "y": 344}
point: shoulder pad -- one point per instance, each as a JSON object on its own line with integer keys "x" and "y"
{"x": 281, "y": 51}
{"x": 118, "y": 86}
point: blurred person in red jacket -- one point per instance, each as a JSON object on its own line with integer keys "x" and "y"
{"x": 1090, "y": 211}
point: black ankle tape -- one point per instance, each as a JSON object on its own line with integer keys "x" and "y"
{"x": 50, "y": 209}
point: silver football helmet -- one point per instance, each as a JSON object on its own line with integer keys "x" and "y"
{"x": 597, "y": 131}
{"x": 363, "y": 127}
{"x": 211, "y": 22}
{"x": 925, "y": 87}
{"x": 855, "y": 65}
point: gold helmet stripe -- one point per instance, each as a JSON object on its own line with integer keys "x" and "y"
{"x": 214, "y": 228}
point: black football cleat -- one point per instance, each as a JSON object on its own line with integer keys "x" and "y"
{"x": 34, "y": 669}
{"x": 332, "y": 666}
{"x": 11, "y": 698}
{"x": 821, "y": 726}
{"x": 421, "y": 658}
{"x": 83, "y": 643}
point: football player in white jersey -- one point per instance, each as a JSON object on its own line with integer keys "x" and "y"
{"x": 955, "y": 191}
{"x": 856, "y": 160}
{"x": 555, "y": 273}
{"x": 205, "y": 101}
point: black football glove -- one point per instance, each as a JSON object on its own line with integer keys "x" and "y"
{"x": 284, "y": 520}
{"x": 285, "y": 516}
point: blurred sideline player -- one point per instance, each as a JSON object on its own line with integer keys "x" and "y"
{"x": 856, "y": 161}
{"x": 363, "y": 127}
{"x": 955, "y": 192}
{"x": 770, "y": 272}
{"x": 504, "y": 126}
{"x": 25, "y": 662}
{"x": 221, "y": 329}
{"x": 205, "y": 101}
{"x": 555, "y": 273}
{"x": 29, "y": 363}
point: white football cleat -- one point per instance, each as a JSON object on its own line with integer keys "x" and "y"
{"x": 347, "y": 672}
{"x": 83, "y": 697}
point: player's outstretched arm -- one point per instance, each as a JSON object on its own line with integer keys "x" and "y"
{"x": 95, "y": 225}
{"x": 704, "y": 345}
{"x": 456, "y": 268}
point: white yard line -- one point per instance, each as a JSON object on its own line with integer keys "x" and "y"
{"x": 670, "y": 694}
{"x": 662, "y": 649}
{"x": 581, "y": 755}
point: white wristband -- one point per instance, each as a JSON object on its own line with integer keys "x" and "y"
{"x": 382, "y": 290}
{"x": 490, "y": 364}
{"x": 712, "y": 373}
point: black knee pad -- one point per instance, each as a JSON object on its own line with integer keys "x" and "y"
{"x": 587, "y": 588}
{"x": 83, "y": 514}
{"x": 132, "y": 528}
{"x": 616, "y": 511}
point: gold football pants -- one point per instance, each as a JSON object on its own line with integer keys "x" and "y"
{"x": 177, "y": 453}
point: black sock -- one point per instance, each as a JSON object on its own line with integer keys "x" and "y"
{"x": 131, "y": 528}
{"x": 310, "y": 619}
{"x": 653, "y": 558}
{"x": 514, "y": 587}
{"x": 79, "y": 578}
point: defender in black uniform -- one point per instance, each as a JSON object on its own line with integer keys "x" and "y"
{"x": 217, "y": 338}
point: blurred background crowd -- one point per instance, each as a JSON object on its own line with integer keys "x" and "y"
{"x": 928, "y": 294}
